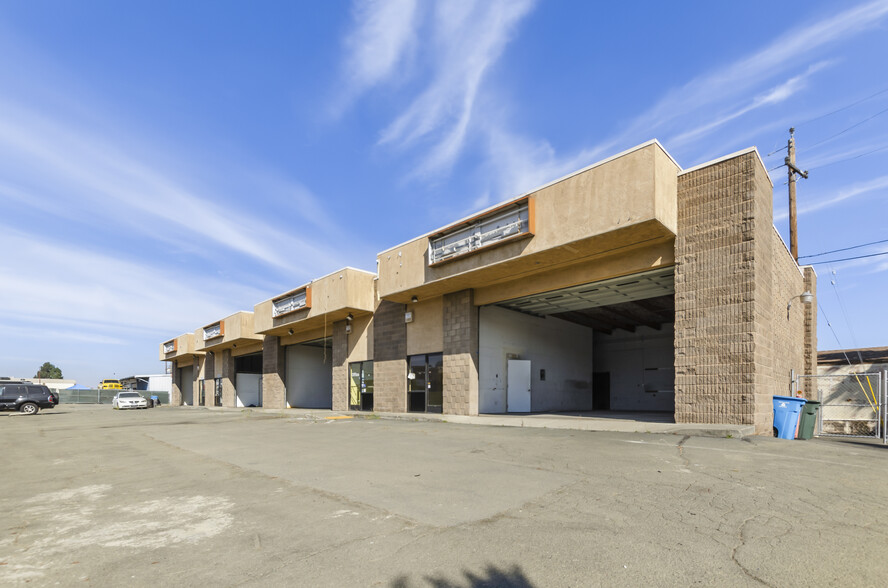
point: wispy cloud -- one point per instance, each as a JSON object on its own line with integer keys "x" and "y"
{"x": 96, "y": 179}
{"x": 469, "y": 38}
{"x": 109, "y": 297}
{"x": 466, "y": 38}
{"x": 775, "y": 95}
{"x": 708, "y": 97}
{"x": 843, "y": 195}
{"x": 740, "y": 78}
{"x": 382, "y": 39}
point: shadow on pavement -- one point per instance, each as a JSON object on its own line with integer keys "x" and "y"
{"x": 491, "y": 577}
{"x": 863, "y": 442}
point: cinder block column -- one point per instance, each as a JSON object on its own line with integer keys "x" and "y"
{"x": 196, "y": 370}
{"x": 715, "y": 286}
{"x": 340, "y": 366}
{"x": 390, "y": 358}
{"x": 274, "y": 358}
{"x": 737, "y": 338}
{"x": 229, "y": 394}
{"x": 460, "y": 353}
{"x": 810, "y": 384}
{"x": 208, "y": 379}
{"x": 176, "y": 394}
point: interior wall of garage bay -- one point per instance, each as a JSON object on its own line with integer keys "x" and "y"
{"x": 640, "y": 367}
{"x": 186, "y": 384}
{"x": 560, "y": 352}
{"x": 309, "y": 378}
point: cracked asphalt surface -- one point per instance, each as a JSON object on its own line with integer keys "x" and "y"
{"x": 183, "y": 497}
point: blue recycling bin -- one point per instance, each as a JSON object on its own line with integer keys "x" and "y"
{"x": 786, "y": 415}
{"x": 155, "y": 401}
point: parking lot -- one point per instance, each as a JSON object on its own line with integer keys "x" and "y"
{"x": 185, "y": 496}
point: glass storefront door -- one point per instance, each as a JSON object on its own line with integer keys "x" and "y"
{"x": 360, "y": 393}
{"x": 425, "y": 383}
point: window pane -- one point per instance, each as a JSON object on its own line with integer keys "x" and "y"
{"x": 354, "y": 391}
{"x": 417, "y": 381}
{"x": 368, "y": 377}
{"x": 436, "y": 380}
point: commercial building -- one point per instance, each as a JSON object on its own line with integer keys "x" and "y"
{"x": 629, "y": 285}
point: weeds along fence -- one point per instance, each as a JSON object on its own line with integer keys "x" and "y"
{"x": 93, "y": 396}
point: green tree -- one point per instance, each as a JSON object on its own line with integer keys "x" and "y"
{"x": 49, "y": 372}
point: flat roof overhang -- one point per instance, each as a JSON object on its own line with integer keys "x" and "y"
{"x": 623, "y": 202}
{"x": 324, "y": 301}
{"x": 227, "y": 333}
{"x": 220, "y": 343}
{"x": 299, "y": 322}
{"x": 182, "y": 347}
{"x": 465, "y": 273}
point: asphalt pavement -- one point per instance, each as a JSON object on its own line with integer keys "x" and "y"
{"x": 185, "y": 497}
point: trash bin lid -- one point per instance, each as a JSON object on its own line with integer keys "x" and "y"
{"x": 786, "y": 401}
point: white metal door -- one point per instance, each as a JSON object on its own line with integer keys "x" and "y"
{"x": 518, "y": 386}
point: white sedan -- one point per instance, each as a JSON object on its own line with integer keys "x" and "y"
{"x": 129, "y": 400}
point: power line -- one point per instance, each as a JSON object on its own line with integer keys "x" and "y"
{"x": 854, "y": 126}
{"x": 848, "y": 158}
{"x": 847, "y": 106}
{"x": 849, "y": 258}
{"x": 842, "y": 307}
{"x": 829, "y": 324}
{"x": 843, "y": 249}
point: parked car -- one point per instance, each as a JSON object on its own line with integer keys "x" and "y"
{"x": 110, "y": 385}
{"x": 26, "y": 398}
{"x": 129, "y": 400}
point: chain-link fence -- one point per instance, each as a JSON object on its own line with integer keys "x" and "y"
{"x": 93, "y": 396}
{"x": 852, "y": 405}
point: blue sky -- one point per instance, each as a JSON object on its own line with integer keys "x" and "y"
{"x": 164, "y": 164}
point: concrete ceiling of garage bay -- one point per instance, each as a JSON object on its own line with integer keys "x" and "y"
{"x": 645, "y": 299}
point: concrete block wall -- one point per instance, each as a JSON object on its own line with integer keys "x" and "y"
{"x": 274, "y": 366}
{"x": 810, "y": 384}
{"x": 229, "y": 394}
{"x": 208, "y": 375}
{"x": 715, "y": 293}
{"x": 390, "y": 358}
{"x": 340, "y": 366}
{"x": 734, "y": 346}
{"x": 176, "y": 393}
{"x": 460, "y": 353}
{"x": 197, "y": 372}
{"x": 779, "y": 334}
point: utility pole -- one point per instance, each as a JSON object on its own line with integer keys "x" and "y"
{"x": 792, "y": 170}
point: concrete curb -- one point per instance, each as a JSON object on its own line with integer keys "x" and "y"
{"x": 540, "y": 421}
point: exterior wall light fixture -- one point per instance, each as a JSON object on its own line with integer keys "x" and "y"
{"x": 350, "y": 317}
{"x": 414, "y": 300}
{"x": 806, "y": 297}
{"x": 290, "y": 332}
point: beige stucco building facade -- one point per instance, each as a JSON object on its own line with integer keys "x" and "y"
{"x": 629, "y": 285}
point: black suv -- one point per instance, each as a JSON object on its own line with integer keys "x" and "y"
{"x": 26, "y": 398}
